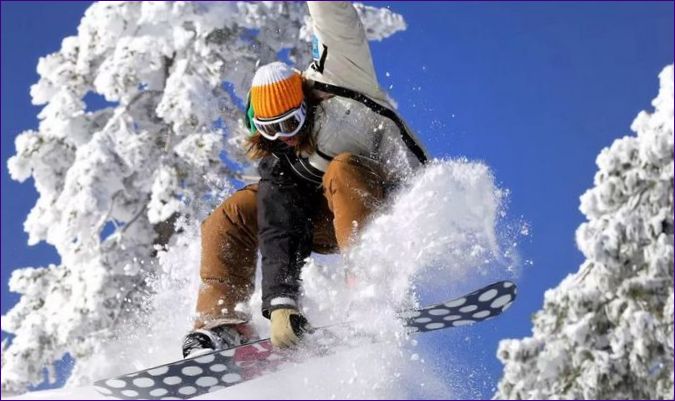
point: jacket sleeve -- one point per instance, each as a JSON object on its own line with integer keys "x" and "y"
{"x": 284, "y": 233}
{"x": 340, "y": 48}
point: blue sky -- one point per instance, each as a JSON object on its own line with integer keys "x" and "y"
{"x": 535, "y": 90}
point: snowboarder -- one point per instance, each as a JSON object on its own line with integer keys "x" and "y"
{"x": 330, "y": 149}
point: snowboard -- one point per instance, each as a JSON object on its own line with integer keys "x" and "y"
{"x": 218, "y": 370}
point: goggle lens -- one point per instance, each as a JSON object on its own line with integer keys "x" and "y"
{"x": 286, "y": 126}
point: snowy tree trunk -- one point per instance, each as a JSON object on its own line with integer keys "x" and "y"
{"x": 606, "y": 332}
{"x": 112, "y": 181}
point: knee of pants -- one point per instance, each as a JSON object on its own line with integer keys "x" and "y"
{"x": 352, "y": 171}
{"x": 239, "y": 208}
{"x": 229, "y": 237}
{"x": 343, "y": 164}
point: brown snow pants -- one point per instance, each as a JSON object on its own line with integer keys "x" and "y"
{"x": 353, "y": 187}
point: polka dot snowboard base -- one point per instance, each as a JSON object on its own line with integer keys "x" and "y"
{"x": 191, "y": 377}
{"x": 477, "y": 306}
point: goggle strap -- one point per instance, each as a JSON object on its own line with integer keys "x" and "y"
{"x": 248, "y": 118}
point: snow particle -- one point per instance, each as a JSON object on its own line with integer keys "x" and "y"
{"x": 468, "y": 308}
{"x": 488, "y": 295}
{"x": 187, "y": 390}
{"x": 158, "y": 371}
{"x": 439, "y": 312}
{"x": 130, "y": 393}
{"x": 219, "y": 367}
{"x": 205, "y": 359}
{"x": 207, "y": 381}
{"x": 143, "y": 382}
{"x": 171, "y": 380}
{"x": 158, "y": 392}
{"x": 456, "y": 302}
{"x": 481, "y": 314}
{"x": 410, "y": 314}
{"x": 434, "y": 326}
{"x": 116, "y": 383}
{"x": 231, "y": 378}
{"x": 501, "y": 301}
{"x": 325, "y": 341}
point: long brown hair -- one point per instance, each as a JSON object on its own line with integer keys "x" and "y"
{"x": 259, "y": 147}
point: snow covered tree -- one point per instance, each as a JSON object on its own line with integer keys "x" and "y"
{"x": 606, "y": 332}
{"x": 112, "y": 181}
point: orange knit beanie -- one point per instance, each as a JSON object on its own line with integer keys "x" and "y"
{"x": 276, "y": 89}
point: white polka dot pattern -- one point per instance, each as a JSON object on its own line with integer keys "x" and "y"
{"x": 195, "y": 376}
{"x": 218, "y": 367}
{"x": 207, "y": 381}
{"x": 501, "y": 301}
{"x": 218, "y": 370}
{"x": 143, "y": 382}
{"x": 205, "y": 359}
{"x": 488, "y": 295}
{"x": 187, "y": 390}
{"x": 192, "y": 371}
{"x": 477, "y": 306}
{"x": 434, "y": 326}
{"x": 115, "y": 383}
{"x": 172, "y": 380}
{"x": 158, "y": 392}
{"x": 231, "y": 378}
{"x": 455, "y": 303}
{"x": 481, "y": 314}
{"x": 158, "y": 371}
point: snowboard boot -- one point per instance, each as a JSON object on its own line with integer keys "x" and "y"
{"x": 225, "y": 336}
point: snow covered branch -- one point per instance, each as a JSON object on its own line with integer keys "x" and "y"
{"x": 606, "y": 332}
{"x": 173, "y": 75}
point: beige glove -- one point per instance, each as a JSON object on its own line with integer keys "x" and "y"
{"x": 287, "y": 327}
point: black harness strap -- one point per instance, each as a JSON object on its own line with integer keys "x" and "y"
{"x": 324, "y": 156}
{"x": 302, "y": 168}
{"x": 379, "y": 109}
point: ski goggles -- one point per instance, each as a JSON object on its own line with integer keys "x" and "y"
{"x": 286, "y": 126}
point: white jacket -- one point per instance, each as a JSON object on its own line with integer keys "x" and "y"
{"x": 359, "y": 119}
